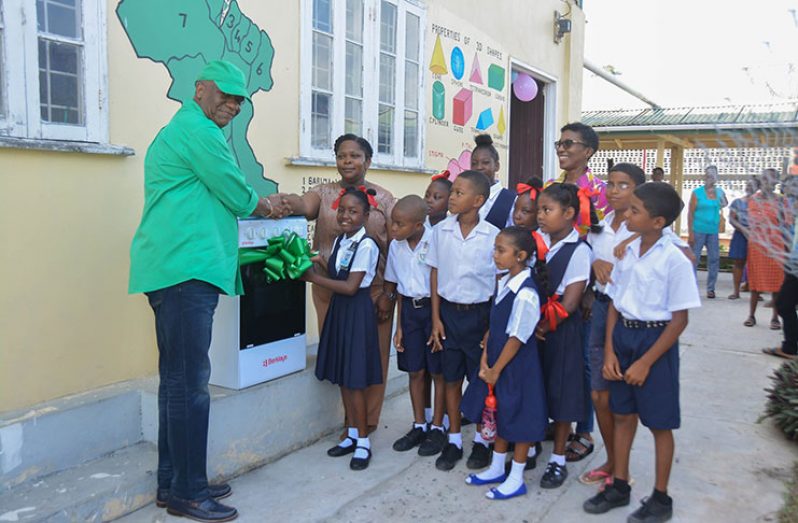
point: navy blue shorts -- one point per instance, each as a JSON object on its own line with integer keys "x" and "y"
{"x": 657, "y": 400}
{"x": 465, "y": 326}
{"x": 416, "y": 329}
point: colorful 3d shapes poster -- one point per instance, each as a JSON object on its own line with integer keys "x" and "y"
{"x": 458, "y": 63}
{"x": 485, "y": 119}
{"x": 476, "y": 74}
{"x": 438, "y": 100}
{"x": 501, "y": 126}
{"x": 438, "y": 63}
{"x": 462, "y": 107}
{"x": 496, "y": 75}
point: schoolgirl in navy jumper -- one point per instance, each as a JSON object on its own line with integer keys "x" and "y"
{"x": 349, "y": 353}
{"x": 407, "y": 271}
{"x": 462, "y": 281}
{"x": 563, "y": 284}
{"x": 498, "y": 207}
{"x": 525, "y": 210}
{"x": 651, "y": 289}
{"x": 510, "y": 362}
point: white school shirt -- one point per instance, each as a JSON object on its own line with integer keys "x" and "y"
{"x": 495, "y": 189}
{"x": 652, "y": 287}
{"x": 578, "y": 268}
{"x": 407, "y": 268}
{"x": 525, "y": 314}
{"x": 365, "y": 258}
{"x": 466, "y": 272}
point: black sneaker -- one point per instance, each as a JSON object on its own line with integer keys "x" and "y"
{"x": 554, "y": 476}
{"x": 531, "y": 463}
{"x": 651, "y": 511}
{"x": 449, "y": 457}
{"x": 433, "y": 443}
{"x": 409, "y": 440}
{"x": 479, "y": 458}
{"x": 606, "y": 500}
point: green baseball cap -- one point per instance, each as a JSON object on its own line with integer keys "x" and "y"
{"x": 228, "y": 78}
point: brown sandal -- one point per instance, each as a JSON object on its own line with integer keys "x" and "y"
{"x": 750, "y": 322}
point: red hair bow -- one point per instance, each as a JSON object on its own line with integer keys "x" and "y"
{"x": 584, "y": 194}
{"x": 361, "y": 188}
{"x": 441, "y": 176}
{"x": 540, "y": 246}
{"x": 522, "y": 188}
{"x": 553, "y": 310}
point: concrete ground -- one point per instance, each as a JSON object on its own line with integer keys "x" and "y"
{"x": 727, "y": 466}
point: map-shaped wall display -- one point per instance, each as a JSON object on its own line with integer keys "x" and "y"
{"x": 184, "y": 36}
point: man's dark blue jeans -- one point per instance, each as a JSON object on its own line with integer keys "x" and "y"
{"x": 183, "y": 321}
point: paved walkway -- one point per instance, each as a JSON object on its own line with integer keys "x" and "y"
{"x": 727, "y": 467}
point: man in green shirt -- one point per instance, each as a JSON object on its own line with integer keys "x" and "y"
{"x": 184, "y": 253}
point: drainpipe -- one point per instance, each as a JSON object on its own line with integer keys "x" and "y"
{"x": 593, "y": 68}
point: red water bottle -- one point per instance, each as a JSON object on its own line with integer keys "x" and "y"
{"x": 489, "y": 416}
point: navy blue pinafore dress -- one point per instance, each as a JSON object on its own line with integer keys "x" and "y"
{"x": 349, "y": 353}
{"x": 520, "y": 392}
{"x": 562, "y": 353}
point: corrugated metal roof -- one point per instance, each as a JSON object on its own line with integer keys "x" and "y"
{"x": 784, "y": 112}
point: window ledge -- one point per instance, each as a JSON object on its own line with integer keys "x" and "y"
{"x": 304, "y": 161}
{"x": 64, "y": 146}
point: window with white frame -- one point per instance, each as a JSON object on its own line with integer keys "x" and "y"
{"x": 61, "y": 50}
{"x": 362, "y": 74}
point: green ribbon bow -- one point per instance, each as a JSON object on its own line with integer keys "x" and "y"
{"x": 285, "y": 257}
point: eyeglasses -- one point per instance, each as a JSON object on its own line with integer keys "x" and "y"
{"x": 567, "y": 144}
{"x": 622, "y": 186}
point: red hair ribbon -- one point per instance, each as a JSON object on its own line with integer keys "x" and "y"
{"x": 540, "y": 246}
{"x": 522, "y": 188}
{"x": 584, "y": 194}
{"x": 553, "y": 310}
{"x": 361, "y": 188}
{"x": 441, "y": 176}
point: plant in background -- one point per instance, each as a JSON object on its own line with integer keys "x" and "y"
{"x": 782, "y": 404}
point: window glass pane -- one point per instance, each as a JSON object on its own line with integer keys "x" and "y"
{"x": 385, "y": 130}
{"x": 388, "y": 27}
{"x": 59, "y": 17}
{"x": 322, "y": 61}
{"x": 41, "y": 20}
{"x": 354, "y": 70}
{"x": 322, "y": 15}
{"x": 354, "y": 116}
{"x": 354, "y": 20}
{"x": 411, "y": 134}
{"x": 320, "y": 120}
{"x": 387, "y": 78}
{"x": 64, "y": 58}
{"x": 413, "y": 24}
{"x": 411, "y": 85}
{"x": 60, "y": 93}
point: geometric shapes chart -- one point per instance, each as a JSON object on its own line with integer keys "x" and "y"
{"x": 438, "y": 100}
{"x": 496, "y": 77}
{"x": 485, "y": 119}
{"x": 501, "y": 126}
{"x": 462, "y": 107}
{"x": 458, "y": 63}
{"x": 438, "y": 63}
{"x": 476, "y": 73}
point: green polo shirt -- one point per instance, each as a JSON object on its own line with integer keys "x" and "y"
{"x": 193, "y": 192}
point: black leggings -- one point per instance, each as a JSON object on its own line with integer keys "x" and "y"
{"x": 785, "y": 305}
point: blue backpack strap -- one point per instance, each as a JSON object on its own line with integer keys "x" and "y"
{"x": 497, "y": 216}
{"x": 557, "y": 266}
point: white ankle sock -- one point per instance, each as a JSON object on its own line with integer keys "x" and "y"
{"x": 532, "y": 452}
{"x": 366, "y": 444}
{"x": 352, "y": 433}
{"x": 435, "y": 427}
{"x": 457, "y": 439}
{"x": 422, "y": 426}
{"x": 559, "y": 459}
{"x": 479, "y": 439}
{"x": 514, "y": 480}
{"x": 428, "y": 415}
{"x": 496, "y": 468}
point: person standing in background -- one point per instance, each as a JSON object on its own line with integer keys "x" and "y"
{"x": 703, "y": 224}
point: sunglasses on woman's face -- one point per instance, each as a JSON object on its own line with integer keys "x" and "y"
{"x": 567, "y": 144}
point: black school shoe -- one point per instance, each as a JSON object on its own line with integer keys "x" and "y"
{"x": 216, "y": 492}
{"x": 208, "y": 510}
{"x": 410, "y": 440}
{"x": 531, "y": 463}
{"x": 554, "y": 476}
{"x": 479, "y": 458}
{"x": 338, "y": 451}
{"x": 651, "y": 511}
{"x": 360, "y": 463}
{"x": 449, "y": 457}
{"x": 434, "y": 442}
{"x": 606, "y": 500}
